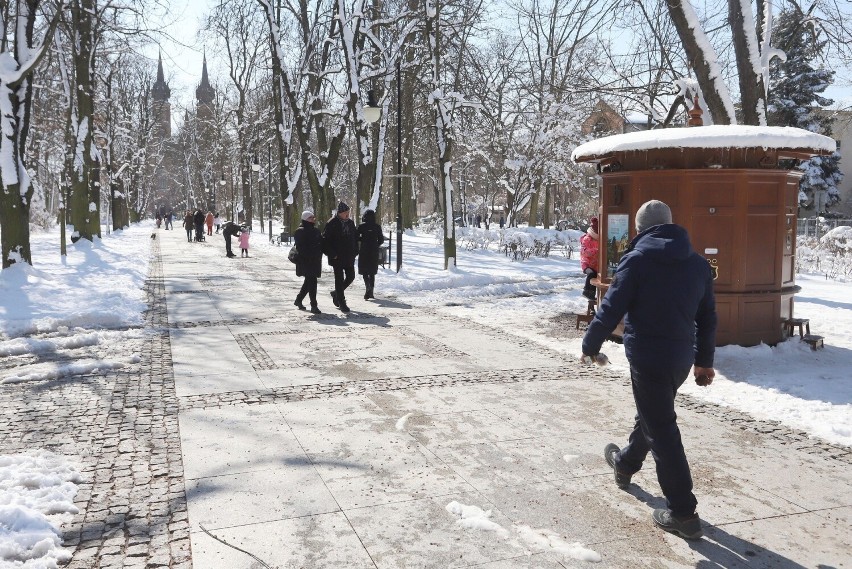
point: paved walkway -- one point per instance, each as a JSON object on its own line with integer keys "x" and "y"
{"x": 340, "y": 441}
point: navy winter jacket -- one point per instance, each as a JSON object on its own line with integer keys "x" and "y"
{"x": 665, "y": 289}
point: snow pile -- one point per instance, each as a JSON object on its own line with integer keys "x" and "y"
{"x": 546, "y": 539}
{"x": 37, "y": 490}
{"x": 715, "y": 136}
{"x": 400, "y": 423}
{"x": 98, "y": 284}
{"x": 473, "y": 517}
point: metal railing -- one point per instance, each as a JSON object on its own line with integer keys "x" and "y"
{"x": 815, "y": 227}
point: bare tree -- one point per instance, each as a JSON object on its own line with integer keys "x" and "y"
{"x": 22, "y": 52}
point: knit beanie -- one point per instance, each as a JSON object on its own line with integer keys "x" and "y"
{"x": 341, "y": 207}
{"x": 652, "y": 213}
{"x": 307, "y": 214}
{"x": 592, "y": 231}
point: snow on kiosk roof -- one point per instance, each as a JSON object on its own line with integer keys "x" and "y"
{"x": 788, "y": 142}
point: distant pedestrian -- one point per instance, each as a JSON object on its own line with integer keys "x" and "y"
{"x": 370, "y": 238}
{"x": 664, "y": 291}
{"x": 208, "y": 219}
{"x": 478, "y": 220}
{"x": 198, "y": 218}
{"x": 308, "y": 242}
{"x": 159, "y": 219}
{"x": 502, "y": 221}
{"x": 340, "y": 243}
{"x": 217, "y": 221}
{"x": 189, "y": 225}
{"x": 229, "y": 229}
{"x": 589, "y": 247}
{"x": 244, "y": 242}
{"x": 169, "y": 217}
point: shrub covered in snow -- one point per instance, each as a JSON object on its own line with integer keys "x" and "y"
{"x": 519, "y": 243}
{"x": 830, "y": 255}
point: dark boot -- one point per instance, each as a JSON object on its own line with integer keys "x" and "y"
{"x": 687, "y": 527}
{"x": 621, "y": 480}
{"x": 315, "y": 309}
{"x": 299, "y": 302}
{"x": 334, "y": 298}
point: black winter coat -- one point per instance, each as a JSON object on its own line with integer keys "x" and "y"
{"x": 229, "y": 229}
{"x": 665, "y": 289}
{"x": 198, "y": 218}
{"x": 340, "y": 242}
{"x": 308, "y": 242}
{"x": 371, "y": 238}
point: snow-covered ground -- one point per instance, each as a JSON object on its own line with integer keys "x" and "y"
{"x": 96, "y": 295}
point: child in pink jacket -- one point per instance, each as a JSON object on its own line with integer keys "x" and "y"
{"x": 589, "y": 257}
{"x": 244, "y": 243}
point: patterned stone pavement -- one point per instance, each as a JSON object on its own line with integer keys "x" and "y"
{"x": 224, "y": 351}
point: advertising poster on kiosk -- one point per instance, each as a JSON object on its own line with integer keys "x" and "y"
{"x": 617, "y": 239}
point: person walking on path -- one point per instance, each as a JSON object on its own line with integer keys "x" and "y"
{"x": 340, "y": 243}
{"x": 217, "y": 221}
{"x": 198, "y": 218}
{"x": 308, "y": 242}
{"x": 209, "y": 221}
{"x": 370, "y": 238}
{"x": 589, "y": 247}
{"x": 229, "y": 229}
{"x": 244, "y": 242}
{"x": 189, "y": 225}
{"x": 665, "y": 289}
{"x": 169, "y": 217}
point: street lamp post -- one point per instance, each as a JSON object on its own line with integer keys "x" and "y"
{"x": 269, "y": 186}
{"x": 255, "y": 167}
{"x": 398, "y": 164}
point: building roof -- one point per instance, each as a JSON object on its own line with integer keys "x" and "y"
{"x": 160, "y": 90}
{"x": 713, "y": 136}
{"x": 205, "y": 92}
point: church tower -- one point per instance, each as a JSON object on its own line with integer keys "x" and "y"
{"x": 161, "y": 109}
{"x": 204, "y": 96}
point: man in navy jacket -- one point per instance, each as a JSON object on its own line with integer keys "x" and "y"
{"x": 664, "y": 291}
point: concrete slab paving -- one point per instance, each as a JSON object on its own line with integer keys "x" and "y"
{"x": 339, "y": 440}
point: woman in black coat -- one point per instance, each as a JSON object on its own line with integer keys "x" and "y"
{"x": 370, "y": 237}
{"x": 308, "y": 240}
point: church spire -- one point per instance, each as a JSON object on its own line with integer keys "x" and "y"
{"x": 160, "y": 90}
{"x": 205, "y": 92}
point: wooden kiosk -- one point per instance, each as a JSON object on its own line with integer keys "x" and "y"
{"x": 733, "y": 190}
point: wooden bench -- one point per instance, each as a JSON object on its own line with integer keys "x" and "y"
{"x": 814, "y": 340}
{"x": 791, "y": 323}
{"x": 587, "y": 317}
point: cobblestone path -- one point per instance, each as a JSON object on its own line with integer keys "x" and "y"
{"x": 121, "y": 427}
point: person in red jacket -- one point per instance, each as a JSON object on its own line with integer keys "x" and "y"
{"x": 589, "y": 245}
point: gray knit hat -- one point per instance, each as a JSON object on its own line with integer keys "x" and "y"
{"x": 307, "y": 214}
{"x": 652, "y": 213}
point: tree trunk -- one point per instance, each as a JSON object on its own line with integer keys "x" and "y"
{"x": 716, "y": 97}
{"x": 548, "y": 206}
{"x": 85, "y": 186}
{"x": 752, "y": 92}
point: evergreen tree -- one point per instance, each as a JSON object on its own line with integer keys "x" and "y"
{"x": 795, "y": 99}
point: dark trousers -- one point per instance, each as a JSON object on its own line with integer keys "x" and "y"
{"x": 588, "y": 290}
{"x": 189, "y": 234}
{"x": 656, "y": 431}
{"x": 341, "y": 282}
{"x": 228, "y": 245}
{"x": 309, "y": 288}
{"x": 369, "y": 282}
